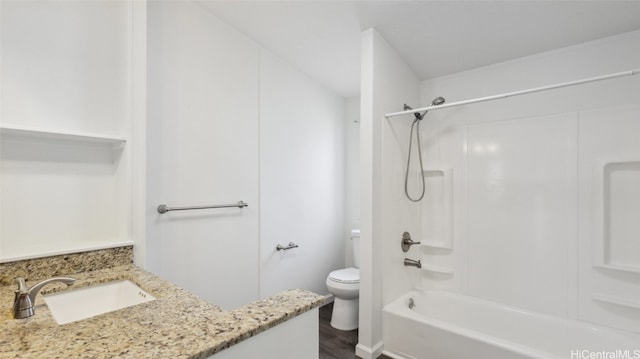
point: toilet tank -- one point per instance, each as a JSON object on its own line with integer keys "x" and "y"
{"x": 355, "y": 244}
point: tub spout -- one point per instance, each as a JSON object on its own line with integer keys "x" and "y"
{"x": 412, "y": 263}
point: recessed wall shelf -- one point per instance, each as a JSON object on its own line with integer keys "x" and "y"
{"x": 617, "y": 188}
{"x": 623, "y": 302}
{"x": 436, "y": 209}
{"x": 437, "y": 269}
{"x": 67, "y": 177}
{"x": 436, "y": 244}
{"x": 59, "y": 135}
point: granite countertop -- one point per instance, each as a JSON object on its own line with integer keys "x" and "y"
{"x": 177, "y": 324}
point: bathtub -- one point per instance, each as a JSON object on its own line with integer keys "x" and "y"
{"x": 444, "y": 325}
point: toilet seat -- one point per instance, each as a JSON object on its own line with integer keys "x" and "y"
{"x": 346, "y": 276}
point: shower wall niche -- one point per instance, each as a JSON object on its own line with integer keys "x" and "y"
{"x": 437, "y": 209}
{"x": 618, "y": 209}
{"x": 436, "y": 222}
{"x": 65, "y": 125}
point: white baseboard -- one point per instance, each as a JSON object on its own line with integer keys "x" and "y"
{"x": 365, "y": 352}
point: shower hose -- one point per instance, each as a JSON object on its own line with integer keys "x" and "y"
{"x": 415, "y": 125}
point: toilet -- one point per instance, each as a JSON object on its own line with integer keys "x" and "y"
{"x": 344, "y": 284}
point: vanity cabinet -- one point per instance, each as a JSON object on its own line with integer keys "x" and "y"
{"x": 296, "y": 338}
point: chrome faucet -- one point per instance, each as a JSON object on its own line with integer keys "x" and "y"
{"x": 412, "y": 263}
{"x": 25, "y": 298}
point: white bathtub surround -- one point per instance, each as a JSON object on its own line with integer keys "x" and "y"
{"x": 609, "y": 260}
{"x": 514, "y": 182}
{"x": 541, "y": 189}
{"x": 532, "y": 172}
{"x": 453, "y": 326}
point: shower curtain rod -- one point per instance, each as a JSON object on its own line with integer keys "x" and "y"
{"x": 515, "y": 93}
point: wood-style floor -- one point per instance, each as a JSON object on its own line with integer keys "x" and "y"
{"x": 334, "y": 343}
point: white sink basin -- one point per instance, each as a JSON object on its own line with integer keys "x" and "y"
{"x": 78, "y": 304}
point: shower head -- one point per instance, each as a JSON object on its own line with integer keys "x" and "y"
{"x": 437, "y": 101}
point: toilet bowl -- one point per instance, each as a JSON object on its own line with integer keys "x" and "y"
{"x": 344, "y": 284}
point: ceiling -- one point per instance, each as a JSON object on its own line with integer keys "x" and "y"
{"x": 436, "y": 38}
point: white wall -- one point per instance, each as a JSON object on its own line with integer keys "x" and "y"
{"x": 65, "y": 65}
{"x": 202, "y": 150}
{"x": 228, "y": 121}
{"x": 352, "y": 174}
{"x": 302, "y": 176}
{"x": 66, "y": 88}
{"x": 526, "y": 186}
{"x": 387, "y": 83}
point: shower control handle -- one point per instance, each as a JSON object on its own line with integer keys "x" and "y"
{"x": 406, "y": 241}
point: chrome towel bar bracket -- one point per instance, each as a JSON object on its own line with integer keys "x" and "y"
{"x": 163, "y": 208}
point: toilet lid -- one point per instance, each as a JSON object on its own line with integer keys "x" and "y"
{"x": 347, "y": 275}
